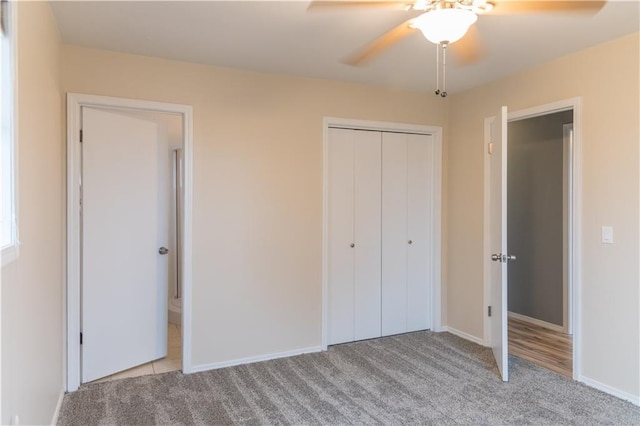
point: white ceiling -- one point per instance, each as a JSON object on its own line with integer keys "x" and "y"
{"x": 285, "y": 38}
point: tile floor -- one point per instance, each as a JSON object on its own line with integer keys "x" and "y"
{"x": 171, "y": 362}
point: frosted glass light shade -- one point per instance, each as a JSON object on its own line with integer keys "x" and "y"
{"x": 445, "y": 25}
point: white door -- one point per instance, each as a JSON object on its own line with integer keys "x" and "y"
{"x": 367, "y": 233}
{"x": 498, "y": 242}
{"x": 340, "y": 224}
{"x": 354, "y": 235}
{"x": 394, "y": 233}
{"x": 407, "y": 191}
{"x": 420, "y": 195}
{"x": 124, "y": 282}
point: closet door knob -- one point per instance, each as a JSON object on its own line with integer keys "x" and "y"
{"x": 410, "y": 241}
{"x": 352, "y": 245}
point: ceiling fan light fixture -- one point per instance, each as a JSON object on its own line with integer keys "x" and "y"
{"x": 421, "y": 5}
{"x": 445, "y": 25}
{"x": 482, "y": 6}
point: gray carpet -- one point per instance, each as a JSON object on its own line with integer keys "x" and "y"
{"x": 418, "y": 378}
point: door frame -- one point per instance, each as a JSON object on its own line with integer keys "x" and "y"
{"x": 72, "y": 292}
{"x": 436, "y": 225}
{"x": 574, "y": 231}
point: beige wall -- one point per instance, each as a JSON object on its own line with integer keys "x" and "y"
{"x": 257, "y": 188}
{"x": 606, "y": 77}
{"x": 32, "y": 328}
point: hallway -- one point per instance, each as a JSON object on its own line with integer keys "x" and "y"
{"x": 547, "y": 348}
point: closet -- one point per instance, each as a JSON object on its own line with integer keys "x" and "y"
{"x": 380, "y": 190}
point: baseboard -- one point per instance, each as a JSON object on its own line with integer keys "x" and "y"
{"x": 259, "y": 358}
{"x": 56, "y": 413}
{"x": 464, "y": 335}
{"x": 535, "y": 321}
{"x": 635, "y": 399}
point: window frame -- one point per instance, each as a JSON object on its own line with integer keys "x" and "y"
{"x": 8, "y": 121}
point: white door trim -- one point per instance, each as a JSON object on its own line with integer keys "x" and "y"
{"x": 567, "y": 150}
{"x": 75, "y": 102}
{"x": 436, "y": 248}
{"x": 575, "y": 225}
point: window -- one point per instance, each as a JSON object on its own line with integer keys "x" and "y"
{"x": 8, "y": 224}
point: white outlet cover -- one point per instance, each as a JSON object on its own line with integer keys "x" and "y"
{"x": 607, "y": 235}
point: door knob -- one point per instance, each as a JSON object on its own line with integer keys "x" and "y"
{"x": 352, "y": 245}
{"x": 410, "y": 241}
{"x": 502, "y": 257}
{"x": 163, "y": 250}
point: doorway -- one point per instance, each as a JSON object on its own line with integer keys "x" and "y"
{"x": 567, "y": 183}
{"x": 119, "y": 200}
{"x": 538, "y": 211}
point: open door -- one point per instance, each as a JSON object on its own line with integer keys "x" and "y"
{"x": 124, "y": 282}
{"x": 498, "y": 242}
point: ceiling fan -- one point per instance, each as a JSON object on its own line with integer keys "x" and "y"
{"x": 445, "y": 22}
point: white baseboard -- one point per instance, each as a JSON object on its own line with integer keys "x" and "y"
{"x": 635, "y": 399}
{"x": 541, "y": 323}
{"x": 249, "y": 360}
{"x": 56, "y": 413}
{"x": 464, "y": 335}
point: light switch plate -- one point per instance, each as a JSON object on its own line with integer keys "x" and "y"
{"x": 607, "y": 235}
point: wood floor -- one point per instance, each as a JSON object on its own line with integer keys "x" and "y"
{"x": 547, "y": 348}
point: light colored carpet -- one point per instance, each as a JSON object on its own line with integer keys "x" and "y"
{"x": 418, "y": 378}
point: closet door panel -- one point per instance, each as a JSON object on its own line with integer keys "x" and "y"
{"x": 340, "y": 230}
{"x": 367, "y": 230}
{"x": 420, "y": 192}
{"x": 394, "y": 233}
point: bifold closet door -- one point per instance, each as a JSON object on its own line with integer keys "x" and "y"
{"x": 394, "y": 234}
{"x": 367, "y": 233}
{"x": 354, "y": 231}
{"x": 407, "y": 188}
{"x": 420, "y": 160}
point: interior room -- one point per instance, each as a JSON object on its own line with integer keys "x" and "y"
{"x": 318, "y": 203}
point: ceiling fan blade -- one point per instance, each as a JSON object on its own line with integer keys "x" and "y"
{"x": 503, "y": 7}
{"x": 383, "y": 42}
{"x": 337, "y": 4}
{"x": 469, "y": 49}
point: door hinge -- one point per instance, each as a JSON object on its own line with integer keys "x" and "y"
{"x": 80, "y": 337}
{"x": 490, "y": 148}
{"x": 489, "y": 311}
{"x": 81, "y": 135}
